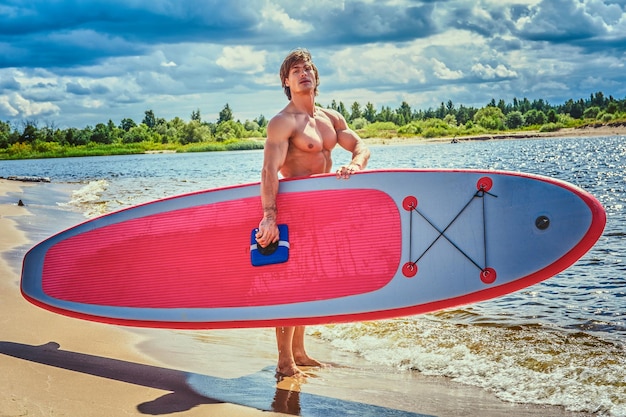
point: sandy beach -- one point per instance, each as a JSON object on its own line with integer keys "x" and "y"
{"x": 58, "y": 366}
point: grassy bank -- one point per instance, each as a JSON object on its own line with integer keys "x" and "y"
{"x": 40, "y": 150}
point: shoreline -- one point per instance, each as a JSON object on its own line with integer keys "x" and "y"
{"x": 570, "y": 132}
{"x": 55, "y": 365}
{"x": 617, "y": 129}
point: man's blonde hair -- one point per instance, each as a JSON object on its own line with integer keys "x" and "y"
{"x": 297, "y": 56}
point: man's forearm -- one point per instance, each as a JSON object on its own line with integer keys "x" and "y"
{"x": 269, "y": 191}
{"x": 360, "y": 156}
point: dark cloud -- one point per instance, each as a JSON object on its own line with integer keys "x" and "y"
{"x": 68, "y": 33}
{"x": 570, "y": 21}
{"x": 378, "y": 22}
{"x": 76, "y": 88}
{"x": 9, "y": 84}
{"x": 79, "y": 90}
{"x": 486, "y": 23}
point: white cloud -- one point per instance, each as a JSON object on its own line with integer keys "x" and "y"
{"x": 6, "y": 108}
{"x": 443, "y": 72}
{"x": 487, "y": 72}
{"x": 242, "y": 59}
{"x": 28, "y": 108}
{"x": 274, "y": 15}
{"x": 92, "y": 104}
{"x": 377, "y": 64}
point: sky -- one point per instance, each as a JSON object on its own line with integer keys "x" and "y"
{"x": 72, "y": 63}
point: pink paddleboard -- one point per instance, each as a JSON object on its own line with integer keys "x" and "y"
{"x": 382, "y": 244}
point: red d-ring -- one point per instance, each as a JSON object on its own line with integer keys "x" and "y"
{"x": 409, "y": 203}
{"x": 488, "y": 275}
{"x": 484, "y": 184}
{"x": 409, "y": 269}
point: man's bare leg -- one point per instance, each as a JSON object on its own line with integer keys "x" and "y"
{"x": 291, "y": 352}
{"x": 286, "y": 363}
{"x": 299, "y": 353}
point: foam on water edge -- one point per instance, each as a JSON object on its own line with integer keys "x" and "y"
{"x": 88, "y": 199}
{"x": 523, "y": 364}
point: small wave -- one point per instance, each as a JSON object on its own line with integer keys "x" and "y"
{"x": 525, "y": 364}
{"x": 88, "y": 199}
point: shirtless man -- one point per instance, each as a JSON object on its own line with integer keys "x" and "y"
{"x": 299, "y": 142}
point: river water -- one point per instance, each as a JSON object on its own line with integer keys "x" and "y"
{"x": 560, "y": 342}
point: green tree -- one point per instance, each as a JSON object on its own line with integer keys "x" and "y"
{"x": 149, "y": 119}
{"x": 355, "y": 112}
{"x": 261, "y": 121}
{"x": 464, "y": 114}
{"x": 344, "y": 112}
{"x": 5, "y": 132}
{"x": 384, "y": 115}
{"x": 574, "y": 108}
{"x": 226, "y": 114}
{"x": 591, "y": 112}
{"x": 535, "y": 117}
{"x": 514, "y": 120}
{"x": 359, "y": 123}
{"x": 30, "y": 134}
{"x": 552, "y": 116}
{"x": 612, "y": 107}
{"x": 450, "y": 119}
{"x": 137, "y": 134}
{"x": 405, "y": 112}
{"x": 195, "y": 132}
{"x": 441, "y": 111}
{"x": 370, "y": 112}
{"x": 228, "y": 130}
{"x": 490, "y": 117}
{"x": 75, "y": 137}
{"x": 195, "y": 115}
{"x": 598, "y": 100}
{"x": 502, "y": 106}
{"x": 127, "y": 124}
{"x": 172, "y": 131}
{"x": 449, "y": 107}
{"x": 251, "y": 126}
{"x": 102, "y": 134}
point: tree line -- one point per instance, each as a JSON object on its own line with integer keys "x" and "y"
{"x": 499, "y": 115}
{"x": 444, "y": 120}
{"x": 151, "y": 129}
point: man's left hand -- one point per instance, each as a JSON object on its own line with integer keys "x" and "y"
{"x": 345, "y": 171}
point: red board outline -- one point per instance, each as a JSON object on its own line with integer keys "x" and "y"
{"x": 594, "y": 232}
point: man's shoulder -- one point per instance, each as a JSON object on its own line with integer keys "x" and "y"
{"x": 337, "y": 120}
{"x": 282, "y": 116}
{"x": 282, "y": 124}
{"x": 330, "y": 113}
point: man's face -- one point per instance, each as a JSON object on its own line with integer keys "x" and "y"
{"x": 301, "y": 77}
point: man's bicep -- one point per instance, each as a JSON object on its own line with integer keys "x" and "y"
{"x": 348, "y": 139}
{"x": 276, "y": 145}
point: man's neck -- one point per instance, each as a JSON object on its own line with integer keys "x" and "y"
{"x": 304, "y": 103}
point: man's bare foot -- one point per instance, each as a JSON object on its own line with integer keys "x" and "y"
{"x": 291, "y": 371}
{"x": 305, "y": 360}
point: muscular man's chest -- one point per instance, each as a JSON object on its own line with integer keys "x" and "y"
{"x": 316, "y": 135}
